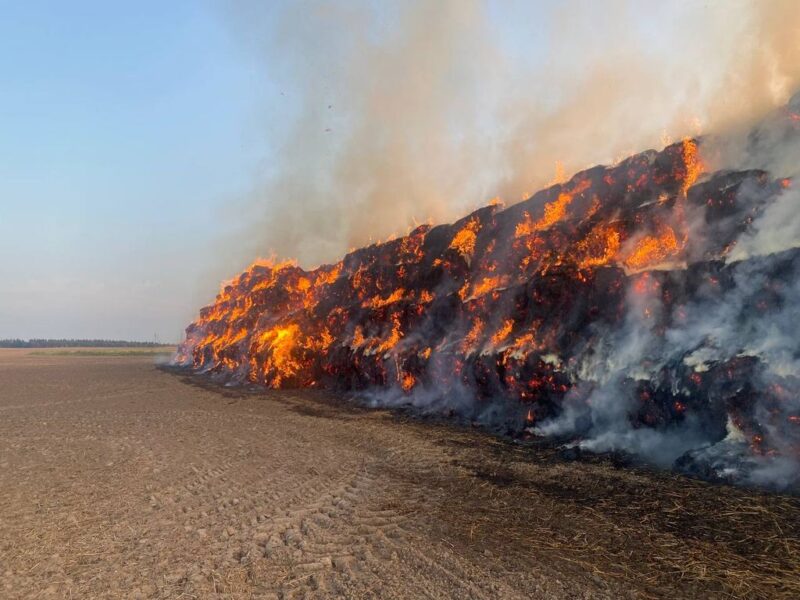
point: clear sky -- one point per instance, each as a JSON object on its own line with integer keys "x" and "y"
{"x": 123, "y": 137}
{"x": 149, "y": 150}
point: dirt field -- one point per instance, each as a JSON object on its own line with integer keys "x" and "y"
{"x": 119, "y": 479}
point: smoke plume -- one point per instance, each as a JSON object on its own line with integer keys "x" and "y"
{"x": 419, "y": 111}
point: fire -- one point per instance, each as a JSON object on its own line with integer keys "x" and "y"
{"x": 554, "y": 212}
{"x": 471, "y": 339}
{"x": 394, "y": 336}
{"x": 324, "y": 278}
{"x": 503, "y": 303}
{"x": 407, "y": 381}
{"x": 525, "y": 344}
{"x": 693, "y": 165}
{"x": 599, "y": 247}
{"x": 358, "y": 338}
{"x": 531, "y": 308}
{"x": 303, "y": 284}
{"x": 654, "y": 249}
{"x": 464, "y": 240}
{"x": 378, "y": 302}
{"x": 503, "y": 332}
{"x": 484, "y": 286}
{"x": 278, "y": 344}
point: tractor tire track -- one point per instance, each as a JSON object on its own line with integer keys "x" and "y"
{"x": 120, "y": 480}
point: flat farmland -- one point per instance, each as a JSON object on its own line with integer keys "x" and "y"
{"x": 122, "y": 479}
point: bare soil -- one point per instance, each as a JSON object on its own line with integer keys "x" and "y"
{"x": 119, "y": 479}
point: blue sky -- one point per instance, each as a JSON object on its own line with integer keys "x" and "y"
{"x": 124, "y": 135}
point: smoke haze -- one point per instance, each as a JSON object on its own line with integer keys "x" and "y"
{"x": 421, "y": 111}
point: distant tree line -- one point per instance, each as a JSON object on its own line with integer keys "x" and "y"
{"x": 68, "y": 343}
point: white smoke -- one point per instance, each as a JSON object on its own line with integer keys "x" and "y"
{"x": 396, "y": 113}
{"x": 776, "y": 230}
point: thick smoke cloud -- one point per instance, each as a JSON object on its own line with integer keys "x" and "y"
{"x": 422, "y": 110}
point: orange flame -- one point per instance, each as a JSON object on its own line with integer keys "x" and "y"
{"x": 654, "y": 249}
{"x": 599, "y": 247}
{"x": 407, "y": 381}
{"x": 553, "y": 212}
{"x": 503, "y": 332}
{"x": 692, "y": 163}
{"x": 464, "y": 240}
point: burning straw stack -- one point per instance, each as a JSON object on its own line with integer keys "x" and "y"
{"x": 606, "y": 309}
